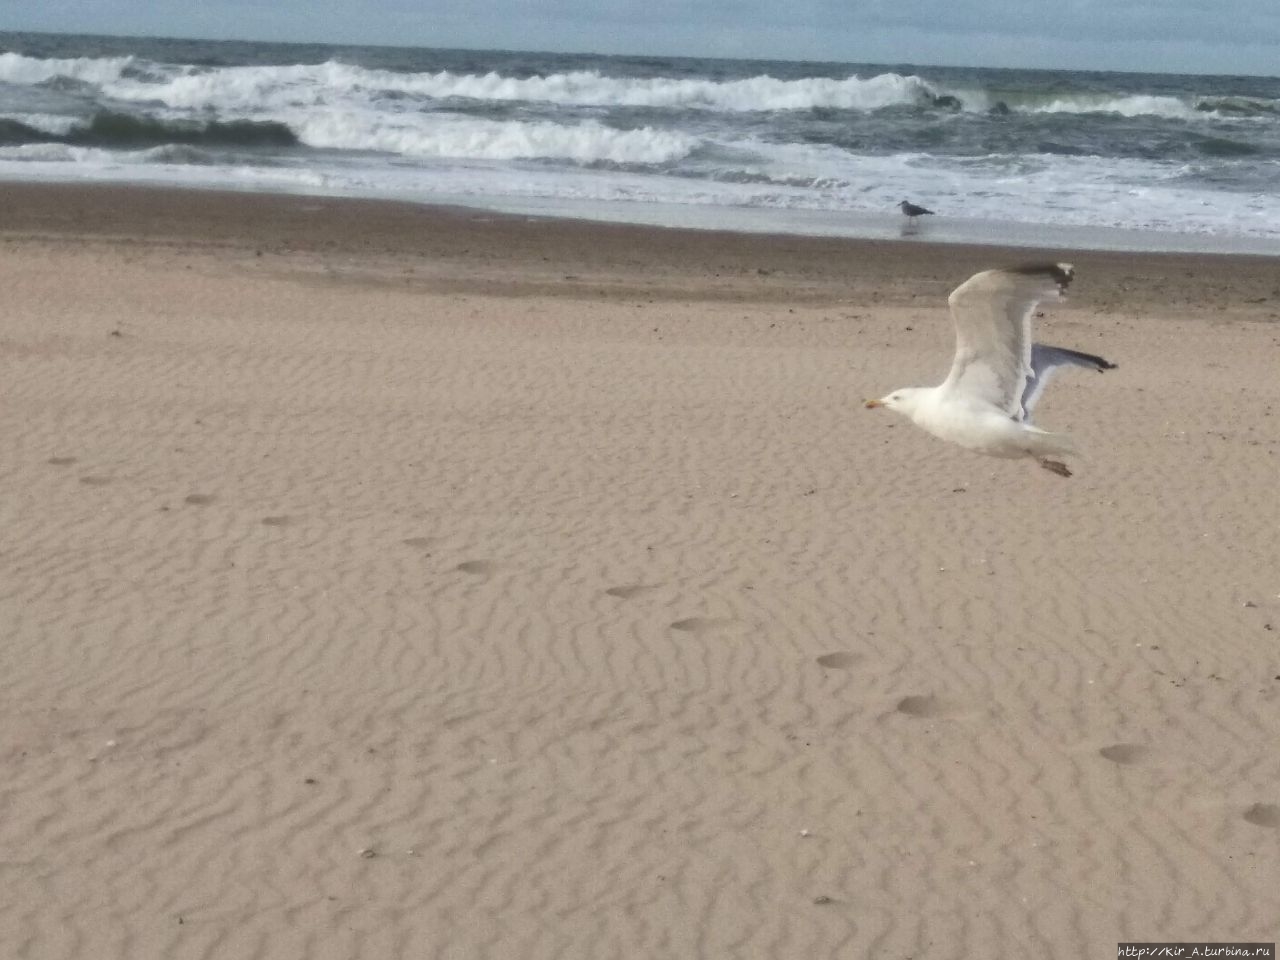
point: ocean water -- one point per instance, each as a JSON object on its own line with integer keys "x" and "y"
{"x": 1101, "y": 159}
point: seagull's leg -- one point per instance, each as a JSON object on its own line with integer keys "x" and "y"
{"x": 1055, "y": 466}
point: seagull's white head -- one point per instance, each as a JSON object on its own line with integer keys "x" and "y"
{"x": 905, "y": 400}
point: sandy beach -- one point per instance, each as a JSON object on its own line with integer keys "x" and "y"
{"x": 386, "y": 581}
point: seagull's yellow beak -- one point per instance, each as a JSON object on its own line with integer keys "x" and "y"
{"x": 872, "y": 404}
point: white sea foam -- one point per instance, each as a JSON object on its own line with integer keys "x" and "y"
{"x": 445, "y": 135}
{"x": 1042, "y": 189}
{"x": 244, "y": 89}
{"x": 92, "y": 159}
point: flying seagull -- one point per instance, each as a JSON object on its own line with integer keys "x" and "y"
{"x": 912, "y": 211}
{"x": 998, "y": 374}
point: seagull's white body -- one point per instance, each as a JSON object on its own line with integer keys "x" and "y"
{"x": 977, "y": 426}
{"x": 998, "y": 374}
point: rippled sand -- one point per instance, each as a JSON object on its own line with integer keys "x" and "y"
{"x": 388, "y": 582}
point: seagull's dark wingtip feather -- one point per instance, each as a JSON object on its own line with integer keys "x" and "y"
{"x": 1101, "y": 364}
{"x": 1061, "y": 273}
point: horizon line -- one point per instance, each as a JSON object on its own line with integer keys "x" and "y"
{"x": 631, "y": 55}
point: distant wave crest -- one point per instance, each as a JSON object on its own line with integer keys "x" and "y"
{"x": 333, "y": 81}
{"x": 1139, "y": 105}
{"x": 760, "y": 93}
{"x": 249, "y": 89}
{"x": 18, "y": 69}
{"x": 1134, "y": 105}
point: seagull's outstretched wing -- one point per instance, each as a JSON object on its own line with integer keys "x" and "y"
{"x": 1045, "y": 361}
{"x": 992, "y": 313}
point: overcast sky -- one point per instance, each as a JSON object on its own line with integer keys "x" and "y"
{"x": 1176, "y": 36}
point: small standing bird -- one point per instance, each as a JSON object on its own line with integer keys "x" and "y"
{"x": 912, "y": 211}
{"x": 998, "y": 374}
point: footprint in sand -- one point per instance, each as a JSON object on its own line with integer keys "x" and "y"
{"x": 924, "y": 705}
{"x": 481, "y": 568}
{"x": 1264, "y": 815}
{"x": 281, "y": 521}
{"x": 837, "y": 661}
{"x": 199, "y": 499}
{"x": 95, "y": 481}
{"x": 700, "y": 625}
{"x": 62, "y": 461}
{"x": 632, "y": 590}
{"x": 1125, "y": 753}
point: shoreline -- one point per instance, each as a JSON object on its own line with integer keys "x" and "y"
{"x": 463, "y": 248}
{"x": 861, "y": 225}
{"x": 780, "y": 222}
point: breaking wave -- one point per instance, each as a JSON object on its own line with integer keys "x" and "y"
{"x": 332, "y": 81}
{"x": 18, "y": 69}
{"x": 1160, "y": 152}
{"x": 335, "y": 83}
{"x": 460, "y": 137}
{"x": 429, "y": 135}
